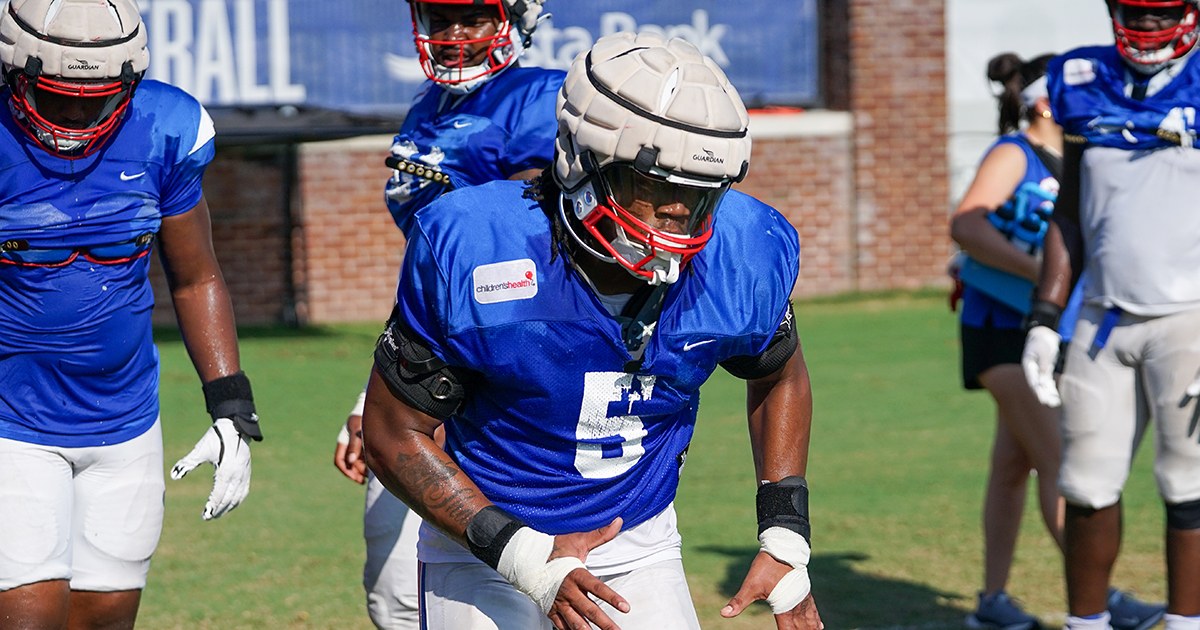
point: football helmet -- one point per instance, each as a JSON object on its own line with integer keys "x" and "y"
{"x": 1151, "y": 50}
{"x": 71, "y": 67}
{"x": 644, "y": 124}
{"x": 517, "y": 21}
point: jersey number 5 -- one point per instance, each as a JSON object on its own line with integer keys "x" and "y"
{"x": 606, "y": 445}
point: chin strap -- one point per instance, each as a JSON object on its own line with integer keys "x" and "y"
{"x": 638, "y": 321}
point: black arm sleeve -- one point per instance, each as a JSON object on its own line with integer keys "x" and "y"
{"x": 416, "y": 375}
{"x": 782, "y": 347}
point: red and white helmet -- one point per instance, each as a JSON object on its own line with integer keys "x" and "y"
{"x": 518, "y": 20}
{"x": 1151, "y": 50}
{"x": 653, "y": 119}
{"x": 93, "y": 50}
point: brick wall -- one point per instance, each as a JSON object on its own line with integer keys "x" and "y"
{"x": 898, "y": 97}
{"x": 806, "y": 172}
{"x": 349, "y": 257}
{"x": 244, "y": 190}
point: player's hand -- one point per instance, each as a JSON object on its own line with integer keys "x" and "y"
{"x": 572, "y": 607}
{"x": 550, "y": 570}
{"x": 1038, "y": 359}
{"x": 348, "y": 456}
{"x": 229, "y": 452}
{"x": 765, "y": 574}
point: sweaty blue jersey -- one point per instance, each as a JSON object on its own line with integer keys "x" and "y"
{"x": 505, "y": 126}
{"x": 1036, "y": 187}
{"x": 1088, "y": 97}
{"x": 556, "y": 432}
{"x": 77, "y": 363}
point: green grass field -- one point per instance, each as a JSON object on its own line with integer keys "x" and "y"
{"x": 897, "y": 470}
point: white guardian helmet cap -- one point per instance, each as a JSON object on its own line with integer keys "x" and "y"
{"x": 646, "y": 117}
{"x": 457, "y": 73}
{"x": 92, "y": 50}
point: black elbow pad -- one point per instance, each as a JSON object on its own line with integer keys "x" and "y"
{"x": 416, "y": 375}
{"x": 782, "y": 347}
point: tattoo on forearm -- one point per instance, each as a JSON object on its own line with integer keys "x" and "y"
{"x": 430, "y": 482}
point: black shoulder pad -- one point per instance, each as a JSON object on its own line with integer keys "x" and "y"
{"x": 416, "y": 375}
{"x": 782, "y": 347}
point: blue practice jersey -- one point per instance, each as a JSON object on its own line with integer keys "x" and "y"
{"x": 1035, "y": 188}
{"x": 1088, "y": 97}
{"x": 556, "y": 432}
{"x": 505, "y": 126}
{"x": 77, "y": 363}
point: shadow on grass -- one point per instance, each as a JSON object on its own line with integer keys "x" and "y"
{"x": 168, "y": 334}
{"x": 848, "y": 598}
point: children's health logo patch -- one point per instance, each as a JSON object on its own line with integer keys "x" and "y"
{"x": 505, "y": 281}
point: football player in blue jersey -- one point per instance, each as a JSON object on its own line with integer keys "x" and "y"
{"x": 561, "y": 331}
{"x": 1001, "y": 222}
{"x": 96, "y": 165}
{"x": 1128, "y": 213}
{"x": 479, "y": 118}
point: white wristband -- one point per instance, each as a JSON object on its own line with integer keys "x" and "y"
{"x": 791, "y": 549}
{"x": 524, "y": 564}
{"x": 343, "y": 435}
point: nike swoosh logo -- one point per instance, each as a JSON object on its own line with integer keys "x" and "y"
{"x": 126, "y": 178}
{"x": 689, "y": 346}
{"x": 461, "y": 125}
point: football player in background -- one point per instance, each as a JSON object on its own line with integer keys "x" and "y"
{"x": 1001, "y": 222}
{"x": 479, "y": 118}
{"x": 562, "y": 330}
{"x": 97, "y": 165}
{"x": 1128, "y": 212}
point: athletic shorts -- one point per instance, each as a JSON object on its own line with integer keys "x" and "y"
{"x": 472, "y": 596}
{"x": 1109, "y": 397}
{"x": 985, "y": 347}
{"x": 88, "y": 515}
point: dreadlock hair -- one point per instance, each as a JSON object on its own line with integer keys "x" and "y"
{"x": 544, "y": 190}
{"x": 1013, "y": 74}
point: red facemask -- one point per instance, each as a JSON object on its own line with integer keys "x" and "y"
{"x": 108, "y": 99}
{"x": 642, "y": 249}
{"x": 498, "y": 49}
{"x": 1151, "y": 48}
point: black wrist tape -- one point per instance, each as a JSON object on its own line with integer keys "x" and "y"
{"x": 784, "y": 504}
{"x": 230, "y": 397}
{"x": 1042, "y": 313}
{"x": 489, "y": 531}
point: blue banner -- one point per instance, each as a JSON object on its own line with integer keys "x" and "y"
{"x": 358, "y": 55}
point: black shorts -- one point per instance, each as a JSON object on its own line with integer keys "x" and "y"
{"x": 986, "y": 347}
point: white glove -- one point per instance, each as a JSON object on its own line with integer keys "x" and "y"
{"x": 229, "y": 452}
{"x": 526, "y": 565}
{"x": 1038, "y": 359}
{"x": 791, "y": 549}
